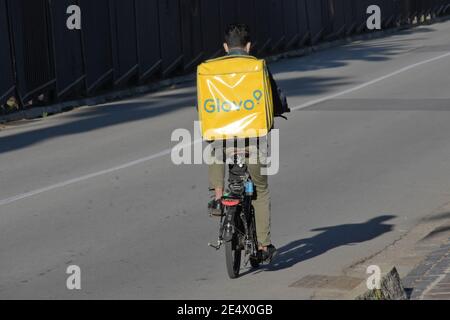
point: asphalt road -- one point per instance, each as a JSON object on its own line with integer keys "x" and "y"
{"x": 363, "y": 157}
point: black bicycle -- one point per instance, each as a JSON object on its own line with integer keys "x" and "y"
{"x": 237, "y": 224}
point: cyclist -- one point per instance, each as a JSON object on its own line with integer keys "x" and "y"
{"x": 237, "y": 42}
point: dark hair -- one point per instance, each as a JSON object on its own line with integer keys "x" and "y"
{"x": 237, "y": 35}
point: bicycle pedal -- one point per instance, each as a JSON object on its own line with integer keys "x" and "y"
{"x": 217, "y": 246}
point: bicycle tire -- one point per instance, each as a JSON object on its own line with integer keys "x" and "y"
{"x": 233, "y": 256}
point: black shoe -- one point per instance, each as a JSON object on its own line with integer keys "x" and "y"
{"x": 215, "y": 208}
{"x": 269, "y": 255}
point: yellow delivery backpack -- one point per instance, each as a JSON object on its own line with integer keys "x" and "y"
{"x": 234, "y": 98}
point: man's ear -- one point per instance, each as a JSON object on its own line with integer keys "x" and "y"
{"x": 225, "y": 46}
{"x": 248, "y": 47}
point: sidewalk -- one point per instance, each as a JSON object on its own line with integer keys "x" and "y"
{"x": 430, "y": 280}
{"x": 421, "y": 256}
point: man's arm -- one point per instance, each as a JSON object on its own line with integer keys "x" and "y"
{"x": 280, "y": 105}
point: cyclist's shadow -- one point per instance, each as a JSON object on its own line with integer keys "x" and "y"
{"x": 330, "y": 238}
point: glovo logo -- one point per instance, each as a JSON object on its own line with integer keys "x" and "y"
{"x": 217, "y": 105}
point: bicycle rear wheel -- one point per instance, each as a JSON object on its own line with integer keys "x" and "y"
{"x": 233, "y": 254}
{"x": 233, "y": 249}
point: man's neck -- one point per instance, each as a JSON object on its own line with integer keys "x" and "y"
{"x": 238, "y": 52}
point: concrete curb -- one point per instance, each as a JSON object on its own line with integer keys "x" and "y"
{"x": 38, "y": 112}
{"x": 417, "y": 254}
{"x": 391, "y": 289}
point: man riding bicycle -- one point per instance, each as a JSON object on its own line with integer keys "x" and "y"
{"x": 238, "y": 43}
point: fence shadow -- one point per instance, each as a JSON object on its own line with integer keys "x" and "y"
{"x": 95, "y": 119}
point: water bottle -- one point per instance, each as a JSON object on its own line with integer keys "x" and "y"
{"x": 249, "y": 188}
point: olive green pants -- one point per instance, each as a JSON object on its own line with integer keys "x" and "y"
{"x": 216, "y": 174}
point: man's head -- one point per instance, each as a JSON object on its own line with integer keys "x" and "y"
{"x": 237, "y": 36}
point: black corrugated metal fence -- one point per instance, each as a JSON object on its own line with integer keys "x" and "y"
{"x": 126, "y": 43}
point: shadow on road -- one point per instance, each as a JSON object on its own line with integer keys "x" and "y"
{"x": 94, "y": 119}
{"x": 329, "y": 238}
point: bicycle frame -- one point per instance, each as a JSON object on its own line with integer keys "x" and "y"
{"x": 238, "y": 214}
